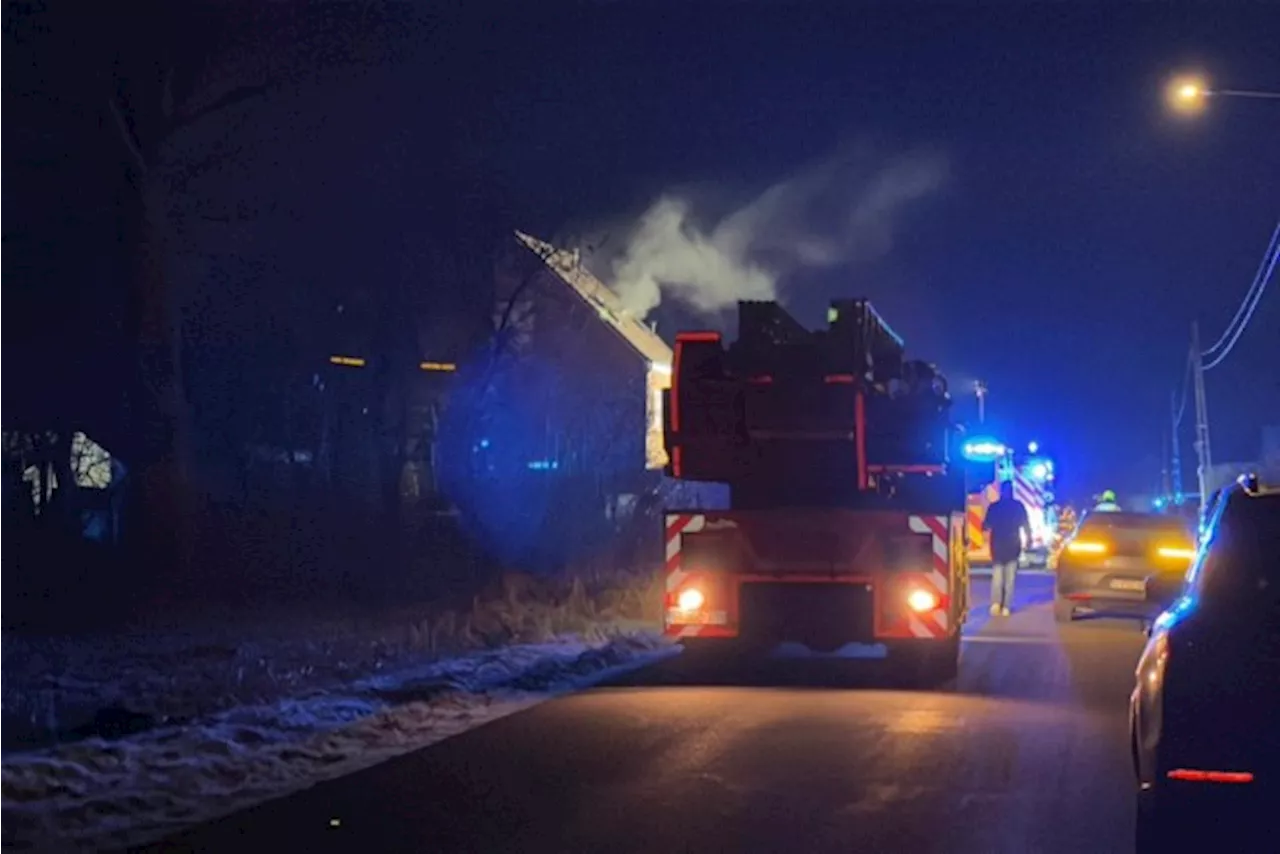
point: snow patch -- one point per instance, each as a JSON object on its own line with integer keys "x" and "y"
{"x": 95, "y": 793}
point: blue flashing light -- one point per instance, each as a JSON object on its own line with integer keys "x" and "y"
{"x": 1040, "y": 471}
{"x": 1033, "y": 447}
{"x": 1176, "y": 613}
{"x": 484, "y": 443}
{"x": 544, "y": 465}
{"x": 983, "y": 450}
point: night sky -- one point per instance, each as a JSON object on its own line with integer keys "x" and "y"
{"x": 1081, "y": 229}
{"x": 1077, "y": 233}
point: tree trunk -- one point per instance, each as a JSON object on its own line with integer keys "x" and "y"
{"x": 62, "y": 509}
{"x": 161, "y": 512}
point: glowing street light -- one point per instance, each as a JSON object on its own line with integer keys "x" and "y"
{"x": 1189, "y": 94}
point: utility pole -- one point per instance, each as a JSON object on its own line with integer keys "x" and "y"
{"x": 980, "y": 389}
{"x": 1166, "y": 487}
{"x": 1202, "y": 416}
{"x": 1175, "y": 449}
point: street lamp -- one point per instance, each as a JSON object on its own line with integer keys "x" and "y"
{"x": 1186, "y": 94}
{"x": 1189, "y": 94}
{"x": 980, "y": 389}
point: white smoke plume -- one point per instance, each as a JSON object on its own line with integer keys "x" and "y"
{"x": 840, "y": 211}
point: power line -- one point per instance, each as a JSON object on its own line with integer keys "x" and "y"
{"x": 1228, "y": 341}
{"x": 1258, "y": 281}
{"x": 1253, "y": 305}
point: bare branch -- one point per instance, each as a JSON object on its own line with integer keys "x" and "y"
{"x": 231, "y": 98}
{"x": 127, "y": 134}
{"x": 166, "y": 94}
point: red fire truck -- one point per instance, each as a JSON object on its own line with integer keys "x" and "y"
{"x": 846, "y": 519}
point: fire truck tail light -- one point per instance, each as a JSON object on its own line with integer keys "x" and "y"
{"x": 922, "y": 601}
{"x": 690, "y": 599}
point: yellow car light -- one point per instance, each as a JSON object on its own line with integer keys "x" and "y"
{"x": 690, "y": 599}
{"x": 1177, "y": 553}
{"x": 1086, "y": 547}
{"x": 922, "y": 600}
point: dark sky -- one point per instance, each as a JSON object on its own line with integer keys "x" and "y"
{"x": 1080, "y": 232}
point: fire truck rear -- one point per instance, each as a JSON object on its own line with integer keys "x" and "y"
{"x": 846, "y": 520}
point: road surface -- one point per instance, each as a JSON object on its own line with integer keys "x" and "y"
{"x": 1026, "y": 752}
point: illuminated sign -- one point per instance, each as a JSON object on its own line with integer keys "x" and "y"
{"x": 983, "y": 450}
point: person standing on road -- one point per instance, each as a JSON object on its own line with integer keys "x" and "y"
{"x": 1006, "y": 520}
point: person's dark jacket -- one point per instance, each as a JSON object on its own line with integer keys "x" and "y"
{"x": 1005, "y": 518}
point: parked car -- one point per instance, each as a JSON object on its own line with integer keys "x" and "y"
{"x": 1207, "y": 697}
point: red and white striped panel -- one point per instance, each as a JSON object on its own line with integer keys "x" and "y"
{"x": 1026, "y": 491}
{"x": 1032, "y": 496}
{"x": 677, "y": 525}
{"x": 935, "y": 624}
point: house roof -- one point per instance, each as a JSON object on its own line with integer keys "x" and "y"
{"x": 568, "y": 268}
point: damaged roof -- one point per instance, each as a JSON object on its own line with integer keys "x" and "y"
{"x": 568, "y": 267}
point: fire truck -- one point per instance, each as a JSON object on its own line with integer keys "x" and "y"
{"x": 846, "y": 518}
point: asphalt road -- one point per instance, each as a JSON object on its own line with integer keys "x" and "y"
{"x": 1026, "y": 752}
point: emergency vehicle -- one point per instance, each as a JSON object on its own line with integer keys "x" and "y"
{"x": 1032, "y": 479}
{"x": 846, "y": 519}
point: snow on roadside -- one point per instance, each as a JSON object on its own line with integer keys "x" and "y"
{"x": 96, "y": 794}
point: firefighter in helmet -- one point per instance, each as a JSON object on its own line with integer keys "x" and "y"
{"x": 1107, "y": 502}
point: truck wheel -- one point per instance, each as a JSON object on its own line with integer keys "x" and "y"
{"x": 1064, "y": 610}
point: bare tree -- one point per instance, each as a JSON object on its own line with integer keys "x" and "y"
{"x": 152, "y": 91}
{"x": 172, "y": 71}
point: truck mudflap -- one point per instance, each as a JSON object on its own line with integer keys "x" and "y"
{"x": 890, "y": 576}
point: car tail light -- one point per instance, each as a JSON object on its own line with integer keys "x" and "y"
{"x": 1195, "y": 775}
{"x": 1176, "y": 552}
{"x": 1086, "y": 547}
{"x": 922, "y": 601}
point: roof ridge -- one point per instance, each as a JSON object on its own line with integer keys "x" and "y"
{"x": 567, "y": 265}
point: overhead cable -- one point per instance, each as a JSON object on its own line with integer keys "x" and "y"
{"x": 1259, "y": 282}
{"x": 1253, "y": 305}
